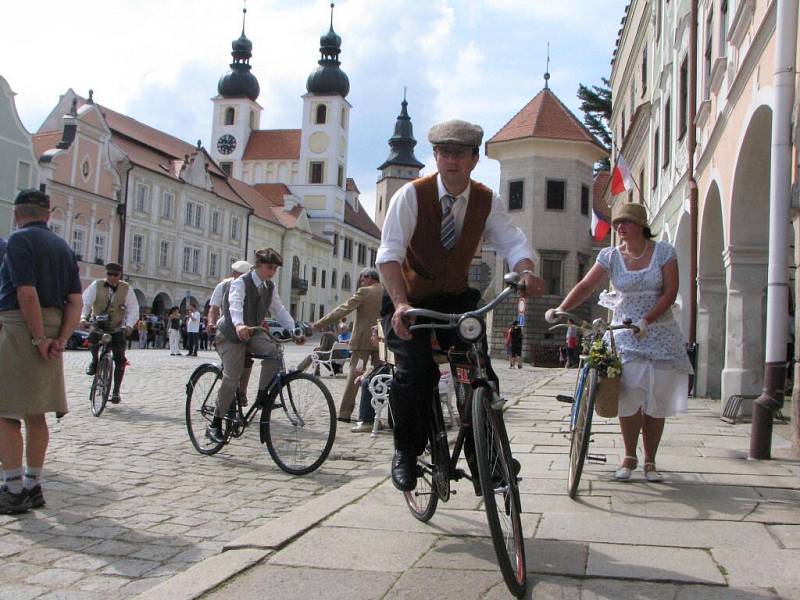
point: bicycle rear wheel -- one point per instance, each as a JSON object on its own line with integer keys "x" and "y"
{"x": 498, "y": 477}
{"x": 299, "y": 424}
{"x": 101, "y": 384}
{"x": 581, "y": 431}
{"x": 201, "y": 403}
{"x": 432, "y": 466}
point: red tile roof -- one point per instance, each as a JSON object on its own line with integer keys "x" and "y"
{"x": 360, "y": 220}
{"x": 273, "y": 144}
{"x": 545, "y": 116}
{"x": 351, "y": 186}
{"x": 42, "y": 142}
{"x": 599, "y": 188}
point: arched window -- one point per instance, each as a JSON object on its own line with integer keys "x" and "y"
{"x": 333, "y": 279}
{"x": 252, "y": 120}
{"x": 346, "y": 281}
{"x": 295, "y": 267}
{"x": 230, "y": 114}
{"x": 322, "y": 113}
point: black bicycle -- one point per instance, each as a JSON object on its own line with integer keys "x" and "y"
{"x": 582, "y": 410}
{"x": 298, "y": 417}
{"x": 482, "y": 418}
{"x": 102, "y": 380}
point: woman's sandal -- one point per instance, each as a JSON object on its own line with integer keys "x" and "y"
{"x": 624, "y": 473}
{"x": 650, "y": 473}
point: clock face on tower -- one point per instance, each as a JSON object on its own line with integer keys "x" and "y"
{"x": 226, "y": 144}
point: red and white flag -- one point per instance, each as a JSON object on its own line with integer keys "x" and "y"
{"x": 621, "y": 179}
{"x": 600, "y": 227}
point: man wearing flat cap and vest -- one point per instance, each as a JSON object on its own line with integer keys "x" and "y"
{"x": 113, "y": 305}
{"x": 250, "y": 299}
{"x": 238, "y": 268}
{"x": 40, "y": 304}
{"x": 433, "y": 228}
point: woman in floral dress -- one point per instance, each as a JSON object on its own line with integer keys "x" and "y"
{"x": 655, "y": 366}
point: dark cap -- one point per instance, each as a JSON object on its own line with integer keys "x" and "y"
{"x": 268, "y": 256}
{"x": 33, "y": 198}
{"x": 114, "y": 268}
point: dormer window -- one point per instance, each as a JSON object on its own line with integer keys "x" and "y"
{"x": 230, "y": 115}
{"x": 321, "y": 114}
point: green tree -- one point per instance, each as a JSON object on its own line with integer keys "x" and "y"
{"x": 596, "y": 108}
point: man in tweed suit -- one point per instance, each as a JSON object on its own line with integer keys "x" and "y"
{"x": 366, "y": 302}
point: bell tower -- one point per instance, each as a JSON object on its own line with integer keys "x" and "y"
{"x": 401, "y": 166}
{"x": 236, "y": 112}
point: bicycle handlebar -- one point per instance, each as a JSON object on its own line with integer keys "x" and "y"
{"x": 294, "y": 334}
{"x": 450, "y": 320}
{"x": 596, "y": 326}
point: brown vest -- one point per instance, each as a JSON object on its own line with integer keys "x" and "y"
{"x": 429, "y": 268}
{"x": 112, "y": 305}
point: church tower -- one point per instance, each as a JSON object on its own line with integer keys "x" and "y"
{"x": 236, "y": 112}
{"x": 401, "y": 166}
{"x": 324, "y": 135}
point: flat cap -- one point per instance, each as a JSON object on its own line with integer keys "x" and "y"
{"x": 33, "y": 198}
{"x": 241, "y": 266}
{"x": 269, "y": 256}
{"x": 457, "y": 133}
{"x": 114, "y": 268}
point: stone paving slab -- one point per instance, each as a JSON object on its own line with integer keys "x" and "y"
{"x": 652, "y": 563}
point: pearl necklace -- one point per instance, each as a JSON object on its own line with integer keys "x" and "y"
{"x": 632, "y": 257}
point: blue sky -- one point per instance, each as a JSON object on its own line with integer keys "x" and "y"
{"x": 159, "y": 61}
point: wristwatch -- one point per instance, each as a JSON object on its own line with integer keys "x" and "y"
{"x": 38, "y": 341}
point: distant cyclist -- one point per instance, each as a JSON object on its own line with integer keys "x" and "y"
{"x": 113, "y": 305}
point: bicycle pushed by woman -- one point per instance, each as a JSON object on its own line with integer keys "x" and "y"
{"x": 655, "y": 366}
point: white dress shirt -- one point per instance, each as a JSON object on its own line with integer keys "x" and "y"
{"x": 236, "y": 303}
{"x": 131, "y": 304}
{"x": 401, "y": 220}
{"x": 216, "y": 295}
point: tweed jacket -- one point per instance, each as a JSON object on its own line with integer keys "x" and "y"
{"x": 367, "y": 304}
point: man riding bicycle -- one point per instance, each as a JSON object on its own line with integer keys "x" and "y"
{"x": 434, "y": 227}
{"x": 248, "y": 301}
{"x": 113, "y": 305}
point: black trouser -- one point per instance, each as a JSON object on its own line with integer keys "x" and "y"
{"x": 118, "y": 343}
{"x": 416, "y": 375}
{"x": 191, "y": 342}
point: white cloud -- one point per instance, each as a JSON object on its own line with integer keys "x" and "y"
{"x": 159, "y": 60}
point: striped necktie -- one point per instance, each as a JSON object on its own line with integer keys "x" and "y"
{"x": 448, "y": 236}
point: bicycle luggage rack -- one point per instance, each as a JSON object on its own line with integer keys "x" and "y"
{"x": 733, "y": 410}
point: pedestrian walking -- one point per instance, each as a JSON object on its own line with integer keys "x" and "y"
{"x": 40, "y": 305}
{"x": 174, "y": 331}
{"x": 514, "y": 343}
{"x": 192, "y": 329}
{"x": 655, "y": 367}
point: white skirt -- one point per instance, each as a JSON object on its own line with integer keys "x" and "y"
{"x": 659, "y": 392}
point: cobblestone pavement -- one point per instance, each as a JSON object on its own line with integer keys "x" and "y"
{"x": 131, "y": 503}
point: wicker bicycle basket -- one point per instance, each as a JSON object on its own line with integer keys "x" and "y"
{"x": 606, "y": 397}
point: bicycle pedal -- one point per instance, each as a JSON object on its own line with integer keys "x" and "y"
{"x": 458, "y": 474}
{"x": 564, "y": 398}
{"x": 596, "y": 458}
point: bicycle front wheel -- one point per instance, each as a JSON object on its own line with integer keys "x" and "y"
{"x": 101, "y": 384}
{"x": 299, "y": 425}
{"x": 498, "y": 478}
{"x": 581, "y": 430}
{"x": 201, "y": 403}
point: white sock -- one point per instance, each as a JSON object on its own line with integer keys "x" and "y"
{"x": 13, "y": 480}
{"x": 32, "y": 477}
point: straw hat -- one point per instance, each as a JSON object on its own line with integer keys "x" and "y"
{"x": 634, "y": 213}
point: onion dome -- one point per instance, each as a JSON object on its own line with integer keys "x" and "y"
{"x": 328, "y": 78}
{"x": 239, "y": 81}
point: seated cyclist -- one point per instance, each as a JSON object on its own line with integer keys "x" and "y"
{"x": 113, "y": 305}
{"x": 433, "y": 228}
{"x": 249, "y": 300}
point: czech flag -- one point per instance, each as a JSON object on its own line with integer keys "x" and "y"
{"x": 621, "y": 179}
{"x": 600, "y": 227}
